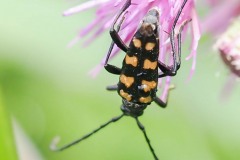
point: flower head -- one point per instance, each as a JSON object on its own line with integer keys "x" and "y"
{"x": 108, "y": 9}
{"x": 229, "y": 47}
{"x": 218, "y": 20}
{"x": 229, "y": 42}
{"x": 168, "y": 9}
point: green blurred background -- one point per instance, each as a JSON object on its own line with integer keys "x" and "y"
{"x": 46, "y": 88}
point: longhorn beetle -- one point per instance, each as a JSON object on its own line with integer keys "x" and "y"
{"x": 139, "y": 73}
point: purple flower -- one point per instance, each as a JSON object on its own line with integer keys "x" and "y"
{"x": 106, "y": 10}
{"x": 229, "y": 47}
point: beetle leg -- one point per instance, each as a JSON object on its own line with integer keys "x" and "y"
{"x": 176, "y": 64}
{"x": 116, "y": 40}
{"x": 114, "y": 33}
{"x": 179, "y": 38}
{"x": 160, "y": 102}
{"x": 112, "y": 87}
{"x": 167, "y": 70}
{"x": 112, "y": 69}
{"x": 163, "y": 67}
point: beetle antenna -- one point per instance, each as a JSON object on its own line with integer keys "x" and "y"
{"x": 53, "y": 145}
{"x": 142, "y": 128}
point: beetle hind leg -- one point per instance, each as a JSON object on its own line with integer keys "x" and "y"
{"x": 160, "y": 102}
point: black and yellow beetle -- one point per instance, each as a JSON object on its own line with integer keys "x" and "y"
{"x": 138, "y": 77}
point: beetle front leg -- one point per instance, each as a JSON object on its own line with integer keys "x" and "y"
{"x": 111, "y": 68}
{"x": 114, "y": 33}
{"x": 176, "y": 64}
{"x": 116, "y": 40}
{"x": 179, "y": 39}
{"x": 167, "y": 70}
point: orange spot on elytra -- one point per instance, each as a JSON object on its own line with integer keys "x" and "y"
{"x": 137, "y": 42}
{"x": 145, "y": 99}
{"x": 125, "y": 95}
{"x": 149, "y": 65}
{"x": 131, "y": 60}
{"x": 148, "y": 85}
{"x": 149, "y": 46}
{"x": 128, "y": 81}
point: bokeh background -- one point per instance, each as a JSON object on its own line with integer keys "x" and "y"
{"x": 46, "y": 90}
